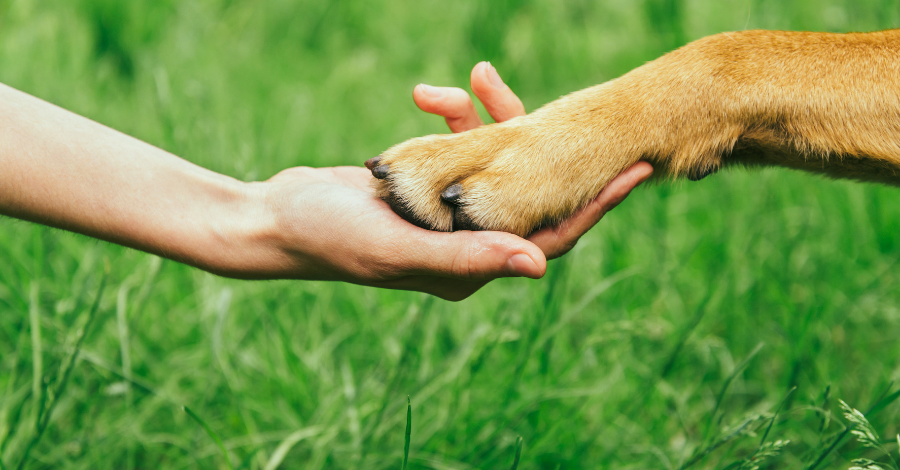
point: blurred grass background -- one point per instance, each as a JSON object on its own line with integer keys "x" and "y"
{"x": 630, "y": 353}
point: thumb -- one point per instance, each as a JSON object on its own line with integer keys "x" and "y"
{"x": 477, "y": 255}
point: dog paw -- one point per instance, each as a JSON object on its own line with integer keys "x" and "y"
{"x": 536, "y": 170}
{"x": 516, "y": 176}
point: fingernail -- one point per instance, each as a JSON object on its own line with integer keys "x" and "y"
{"x": 494, "y": 77}
{"x": 431, "y": 91}
{"x": 521, "y": 264}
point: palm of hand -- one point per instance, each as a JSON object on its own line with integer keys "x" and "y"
{"x": 334, "y": 228}
{"x": 342, "y": 232}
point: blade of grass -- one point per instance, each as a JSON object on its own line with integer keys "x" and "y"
{"x": 737, "y": 370}
{"x": 552, "y": 304}
{"x": 37, "y": 363}
{"x": 719, "y": 443}
{"x": 408, "y": 433}
{"x": 125, "y": 351}
{"x": 19, "y": 401}
{"x": 140, "y": 300}
{"x": 885, "y": 400}
{"x": 741, "y": 463}
{"x": 556, "y": 280}
{"x": 212, "y": 434}
{"x": 772, "y": 422}
{"x": 249, "y": 460}
{"x": 6, "y": 427}
{"x": 515, "y": 464}
{"x": 65, "y": 372}
{"x": 683, "y": 338}
{"x": 287, "y": 444}
{"x": 883, "y": 403}
{"x": 826, "y": 395}
{"x": 412, "y": 340}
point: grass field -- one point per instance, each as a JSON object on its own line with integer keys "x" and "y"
{"x": 671, "y": 337}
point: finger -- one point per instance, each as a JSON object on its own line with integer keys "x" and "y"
{"x": 471, "y": 256}
{"x": 453, "y": 103}
{"x": 620, "y": 187}
{"x": 498, "y": 99}
{"x": 557, "y": 241}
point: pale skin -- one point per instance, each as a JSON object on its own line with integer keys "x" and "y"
{"x": 66, "y": 171}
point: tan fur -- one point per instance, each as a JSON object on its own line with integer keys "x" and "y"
{"x": 827, "y": 103}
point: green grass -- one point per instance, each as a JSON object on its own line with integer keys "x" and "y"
{"x": 638, "y": 350}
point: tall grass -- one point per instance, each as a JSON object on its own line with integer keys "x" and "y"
{"x": 631, "y": 353}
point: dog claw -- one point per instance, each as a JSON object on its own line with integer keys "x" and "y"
{"x": 372, "y": 162}
{"x": 451, "y": 195}
{"x": 380, "y": 171}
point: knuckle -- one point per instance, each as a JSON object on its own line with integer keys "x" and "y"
{"x": 462, "y": 263}
{"x": 458, "y": 104}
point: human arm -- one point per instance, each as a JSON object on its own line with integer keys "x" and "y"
{"x": 66, "y": 171}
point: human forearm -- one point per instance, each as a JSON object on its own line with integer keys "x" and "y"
{"x": 66, "y": 171}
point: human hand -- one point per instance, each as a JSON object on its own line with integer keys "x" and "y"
{"x": 63, "y": 170}
{"x": 502, "y": 104}
{"x": 328, "y": 225}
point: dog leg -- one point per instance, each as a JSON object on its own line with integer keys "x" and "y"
{"x": 828, "y": 103}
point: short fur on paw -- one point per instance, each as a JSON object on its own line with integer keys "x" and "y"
{"x": 516, "y": 176}
{"x": 536, "y": 170}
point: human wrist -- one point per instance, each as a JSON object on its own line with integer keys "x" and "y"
{"x": 238, "y": 238}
